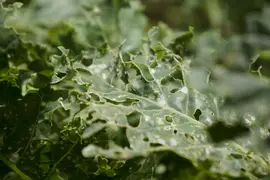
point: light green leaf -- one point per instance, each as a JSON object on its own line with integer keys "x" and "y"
{"x": 162, "y": 119}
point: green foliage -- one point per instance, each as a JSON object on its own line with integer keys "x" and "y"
{"x": 87, "y": 94}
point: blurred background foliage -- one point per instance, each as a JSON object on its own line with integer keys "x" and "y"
{"x": 229, "y": 54}
{"x": 230, "y": 50}
{"x": 244, "y": 22}
{"x": 237, "y": 30}
{"x": 231, "y": 47}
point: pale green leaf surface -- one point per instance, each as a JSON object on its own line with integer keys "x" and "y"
{"x": 165, "y": 118}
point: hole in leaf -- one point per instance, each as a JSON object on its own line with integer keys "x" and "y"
{"x": 152, "y": 51}
{"x": 177, "y": 74}
{"x": 87, "y": 61}
{"x": 100, "y": 121}
{"x": 60, "y": 74}
{"x": 134, "y": 118}
{"x": 166, "y": 80}
{"x": 90, "y": 115}
{"x": 174, "y": 90}
{"x": 175, "y": 131}
{"x": 188, "y": 136}
{"x": 197, "y": 114}
{"x": 169, "y": 118}
{"x": 146, "y": 139}
{"x": 236, "y": 156}
{"x": 126, "y": 102}
{"x": 126, "y": 57}
{"x": 117, "y": 152}
{"x": 94, "y": 97}
{"x": 155, "y": 144}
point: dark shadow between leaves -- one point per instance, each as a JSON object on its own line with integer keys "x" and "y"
{"x": 220, "y": 132}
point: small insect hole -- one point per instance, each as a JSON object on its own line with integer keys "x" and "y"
{"x": 197, "y": 114}
{"x": 146, "y": 139}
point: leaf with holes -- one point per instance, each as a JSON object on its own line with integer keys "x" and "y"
{"x": 167, "y": 114}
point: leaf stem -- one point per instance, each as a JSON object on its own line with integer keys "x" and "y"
{"x": 61, "y": 159}
{"x": 33, "y": 130}
{"x": 14, "y": 168}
